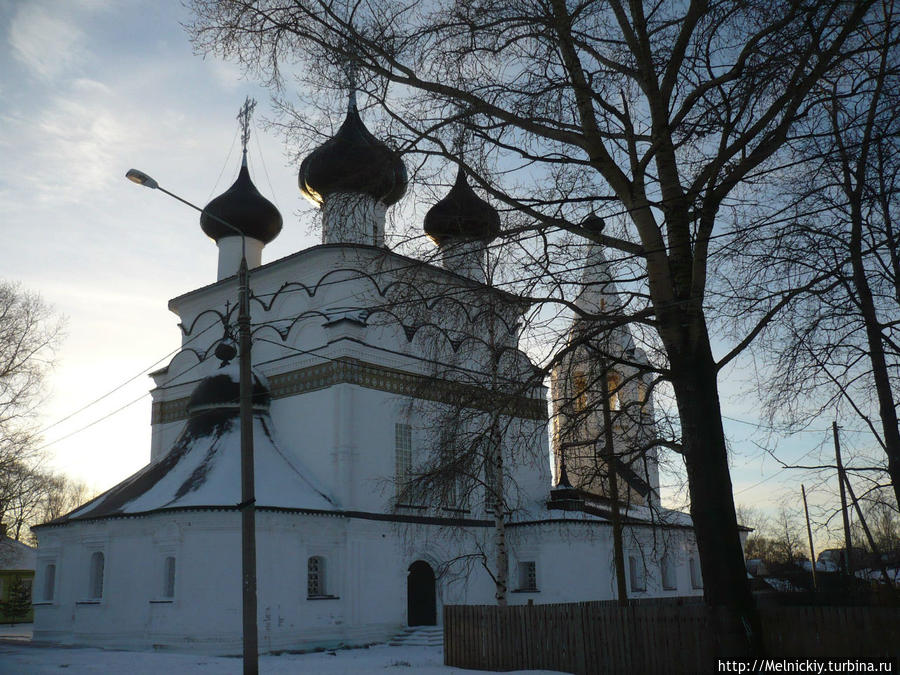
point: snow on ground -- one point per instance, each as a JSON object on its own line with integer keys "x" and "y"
{"x": 18, "y": 656}
{"x": 16, "y": 631}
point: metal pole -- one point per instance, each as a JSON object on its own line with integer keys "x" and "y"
{"x": 812, "y": 549}
{"x": 848, "y": 565}
{"x": 248, "y": 492}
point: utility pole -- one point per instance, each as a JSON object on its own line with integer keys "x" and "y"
{"x": 248, "y": 490}
{"x": 812, "y": 550}
{"x": 848, "y": 565}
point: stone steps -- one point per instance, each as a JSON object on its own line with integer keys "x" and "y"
{"x": 419, "y": 636}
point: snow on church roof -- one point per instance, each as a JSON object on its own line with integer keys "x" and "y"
{"x": 203, "y": 470}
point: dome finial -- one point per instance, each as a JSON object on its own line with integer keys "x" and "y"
{"x": 243, "y": 116}
{"x": 350, "y": 70}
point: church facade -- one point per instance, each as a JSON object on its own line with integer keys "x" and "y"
{"x": 376, "y": 381}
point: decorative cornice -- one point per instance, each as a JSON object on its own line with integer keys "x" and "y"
{"x": 381, "y": 378}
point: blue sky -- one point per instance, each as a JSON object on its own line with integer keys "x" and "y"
{"x": 90, "y": 88}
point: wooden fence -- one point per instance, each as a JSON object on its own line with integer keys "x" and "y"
{"x": 600, "y": 637}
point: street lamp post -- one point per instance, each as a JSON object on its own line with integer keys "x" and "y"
{"x": 247, "y": 506}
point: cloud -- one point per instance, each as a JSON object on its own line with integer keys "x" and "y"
{"x": 227, "y": 74}
{"x": 45, "y": 42}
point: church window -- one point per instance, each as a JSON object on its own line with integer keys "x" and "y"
{"x": 637, "y": 573}
{"x": 169, "y": 577}
{"x": 580, "y": 381}
{"x": 49, "y": 582}
{"x": 527, "y": 576}
{"x": 696, "y": 578}
{"x": 96, "y": 578}
{"x": 453, "y": 492}
{"x": 667, "y": 569}
{"x": 643, "y": 397}
{"x": 403, "y": 450}
{"x": 489, "y": 480}
{"x": 315, "y": 576}
{"x": 613, "y": 384}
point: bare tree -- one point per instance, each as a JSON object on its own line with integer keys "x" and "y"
{"x": 28, "y": 335}
{"x": 838, "y": 347}
{"x": 656, "y": 111}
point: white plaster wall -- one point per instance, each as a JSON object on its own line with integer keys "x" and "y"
{"x": 366, "y": 563}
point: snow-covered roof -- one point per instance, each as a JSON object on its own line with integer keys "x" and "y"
{"x": 569, "y": 504}
{"x": 203, "y": 470}
{"x": 14, "y": 555}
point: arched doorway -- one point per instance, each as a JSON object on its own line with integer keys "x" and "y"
{"x": 421, "y": 607}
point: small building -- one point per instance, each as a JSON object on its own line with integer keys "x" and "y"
{"x": 17, "y": 561}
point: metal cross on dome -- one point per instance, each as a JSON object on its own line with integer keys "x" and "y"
{"x": 243, "y": 117}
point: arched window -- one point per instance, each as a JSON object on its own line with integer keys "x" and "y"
{"x": 696, "y": 578}
{"x": 49, "y": 582}
{"x": 613, "y": 387}
{"x": 315, "y": 577}
{"x": 169, "y": 577}
{"x": 637, "y": 573}
{"x": 96, "y": 578}
{"x": 580, "y": 382}
{"x": 667, "y": 568}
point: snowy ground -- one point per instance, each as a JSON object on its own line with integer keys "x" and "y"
{"x": 18, "y": 656}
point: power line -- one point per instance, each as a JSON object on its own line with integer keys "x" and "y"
{"x": 116, "y": 411}
{"x": 123, "y": 384}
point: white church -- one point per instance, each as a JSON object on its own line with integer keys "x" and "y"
{"x": 371, "y": 369}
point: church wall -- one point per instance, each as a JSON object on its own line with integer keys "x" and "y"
{"x": 163, "y": 437}
{"x": 365, "y": 564}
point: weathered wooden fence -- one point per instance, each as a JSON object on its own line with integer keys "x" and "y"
{"x": 600, "y": 637}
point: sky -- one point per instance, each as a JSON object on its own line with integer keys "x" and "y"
{"x": 91, "y": 88}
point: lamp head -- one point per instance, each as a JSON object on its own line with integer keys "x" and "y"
{"x": 141, "y": 178}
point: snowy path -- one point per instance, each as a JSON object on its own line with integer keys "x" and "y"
{"x": 17, "y": 658}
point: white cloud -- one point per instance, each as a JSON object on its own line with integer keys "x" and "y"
{"x": 227, "y": 74}
{"x": 45, "y": 42}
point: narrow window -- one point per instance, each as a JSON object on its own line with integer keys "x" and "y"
{"x": 637, "y": 574}
{"x": 315, "y": 576}
{"x": 644, "y": 397}
{"x": 169, "y": 577}
{"x": 96, "y": 580}
{"x": 489, "y": 480}
{"x": 403, "y": 450}
{"x": 49, "y": 582}
{"x": 527, "y": 576}
{"x": 580, "y": 391}
{"x": 669, "y": 582}
{"x": 613, "y": 386}
{"x": 696, "y": 578}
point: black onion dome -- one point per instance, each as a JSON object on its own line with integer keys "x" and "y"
{"x": 353, "y": 161}
{"x": 223, "y": 392}
{"x": 462, "y": 215}
{"x": 244, "y": 207}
